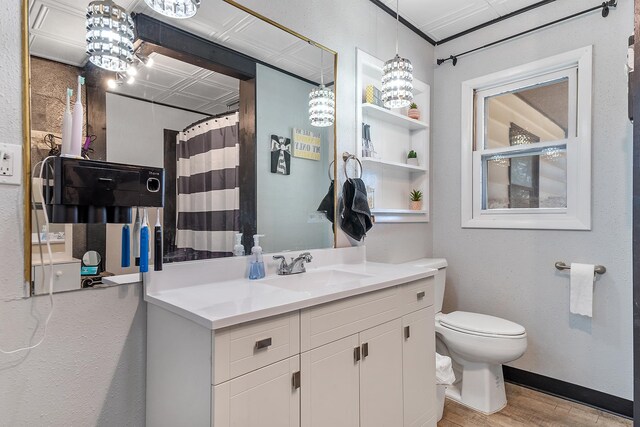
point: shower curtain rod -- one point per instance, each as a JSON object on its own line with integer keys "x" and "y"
{"x": 605, "y": 6}
{"x": 214, "y": 116}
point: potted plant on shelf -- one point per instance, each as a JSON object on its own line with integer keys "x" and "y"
{"x": 413, "y": 112}
{"x": 416, "y": 200}
{"x": 412, "y": 158}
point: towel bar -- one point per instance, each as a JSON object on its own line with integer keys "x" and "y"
{"x": 599, "y": 269}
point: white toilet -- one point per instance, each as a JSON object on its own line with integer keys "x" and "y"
{"x": 478, "y": 344}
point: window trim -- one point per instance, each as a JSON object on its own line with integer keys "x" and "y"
{"x": 577, "y": 215}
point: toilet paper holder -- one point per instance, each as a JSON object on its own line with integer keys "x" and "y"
{"x": 598, "y": 269}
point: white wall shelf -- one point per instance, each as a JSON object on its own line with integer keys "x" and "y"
{"x": 399, "y": 211}
{"x": 395, "y": 165}
{"x": 393, "y": 117}
{"x": 393, "y": 135}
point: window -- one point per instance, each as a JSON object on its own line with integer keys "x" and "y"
{"x": 526, "y": 146}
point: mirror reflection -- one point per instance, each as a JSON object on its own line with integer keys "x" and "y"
{"x": 535, "y": 116}
{"x": 219, "y": 103}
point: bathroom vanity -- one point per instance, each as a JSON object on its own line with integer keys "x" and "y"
{"x": 348, "y": 343}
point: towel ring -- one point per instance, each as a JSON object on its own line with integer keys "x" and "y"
{"x": 348, "y": 156}
{"x": 330, "y": 169}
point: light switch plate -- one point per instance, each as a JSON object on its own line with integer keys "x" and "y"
{"x": 10, "y": 164}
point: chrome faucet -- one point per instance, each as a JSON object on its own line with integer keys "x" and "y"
{"x": 296, "y": 266}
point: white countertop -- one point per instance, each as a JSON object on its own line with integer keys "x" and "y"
{"x": 219, "y": 304}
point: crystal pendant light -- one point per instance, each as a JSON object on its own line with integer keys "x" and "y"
{"x": 322, "y": 102}
{"x": 500, "y": 160}
{"x": 180, "y": 9}
{"x": 109, "y": 36}
{"x": 397, "y": 77}
{"x": 552, "y": 154}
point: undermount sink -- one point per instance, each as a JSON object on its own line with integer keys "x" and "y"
{"x": 314, "y": 279}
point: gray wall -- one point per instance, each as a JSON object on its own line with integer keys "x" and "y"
{"x": 90, "y": 370}
{"x": 510, "y": 273}
{"x": 286, "y": 201}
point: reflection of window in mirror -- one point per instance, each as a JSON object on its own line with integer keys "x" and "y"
{"x": 526, "y": 154}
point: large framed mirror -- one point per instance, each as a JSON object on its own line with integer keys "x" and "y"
{"x": 219, "y": 102}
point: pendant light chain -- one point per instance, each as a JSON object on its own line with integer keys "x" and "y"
{"x": 397, "y": 22}
{"x": 321, "y": 67}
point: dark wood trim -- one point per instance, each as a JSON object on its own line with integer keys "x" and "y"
{"x": 248, "y": 159}
{"x": 153, "y": 35}
{"x": 404, "y": 22}
{"x": 494, "y": 21}
{"x": 586, "y": 396}
{"x": 124, "y": 95}
{"x": 157, "y": 36}
{"x": 169, "y": 217}
{"x": 635, "y": 85}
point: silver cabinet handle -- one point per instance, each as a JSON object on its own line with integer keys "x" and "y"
{"x": 420, "y": 295}
{"x": 356, "y": 354}
{"x": 407, "y": 332}
{"x": 263, "y": 344}
{"x": 295, "y": 380}
{"x": 365, "y": 350}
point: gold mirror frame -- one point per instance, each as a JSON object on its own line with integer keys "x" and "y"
{"x": 26, "y": 122}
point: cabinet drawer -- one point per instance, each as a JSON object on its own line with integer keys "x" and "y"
{"x": 335, "y": 320}
{"x": 66, "y": 277}
{"x": 416, "y": 295}
{"x": 249, "y": 346}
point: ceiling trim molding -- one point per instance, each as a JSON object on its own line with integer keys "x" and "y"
{"x": 404, "y": 22}
{"x": 495, "y": 21}
{"x": 433, "y": 42}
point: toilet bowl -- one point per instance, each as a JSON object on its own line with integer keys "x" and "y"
{"x": 478, "y": 344}
{"x": 479, "y": 355}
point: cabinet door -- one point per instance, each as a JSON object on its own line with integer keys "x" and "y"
{"x": 418, "y": 355}
{"x": 330, "y": 383}
{"x": 267, "y": 397}
{"x": 381, "y": 375}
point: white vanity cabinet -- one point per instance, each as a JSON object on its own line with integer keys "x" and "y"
{"x": 383, "y": 372}
{"x": 367, "y": 360}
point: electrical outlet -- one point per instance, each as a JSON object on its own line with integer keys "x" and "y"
{"x": 10, "y": 164}
{"x": 6, "y": 164}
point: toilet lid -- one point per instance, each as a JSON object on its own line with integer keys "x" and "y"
{"x": 480, "y": 323}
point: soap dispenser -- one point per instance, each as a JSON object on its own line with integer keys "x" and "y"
{"x": 256, "y": 267}
{"x": 238, "y": 249}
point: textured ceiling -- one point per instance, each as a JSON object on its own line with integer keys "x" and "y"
{"x": 57, "y": 32}
{"x": 440, "y": 19}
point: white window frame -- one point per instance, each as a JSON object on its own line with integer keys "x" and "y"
{"x": 576, "y": 65}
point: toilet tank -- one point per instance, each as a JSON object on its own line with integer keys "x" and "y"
{"x": 441, "y": 265}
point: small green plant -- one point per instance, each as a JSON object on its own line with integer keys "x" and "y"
{"x": 413, "y": 106}
{"x": 412, "y": 155}
{"x": 415, "y": 196}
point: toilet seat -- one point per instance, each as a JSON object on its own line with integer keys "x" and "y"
{"x": 481, "y": 325}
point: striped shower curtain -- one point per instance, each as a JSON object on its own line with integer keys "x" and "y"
{"x": 208, "y": 199}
